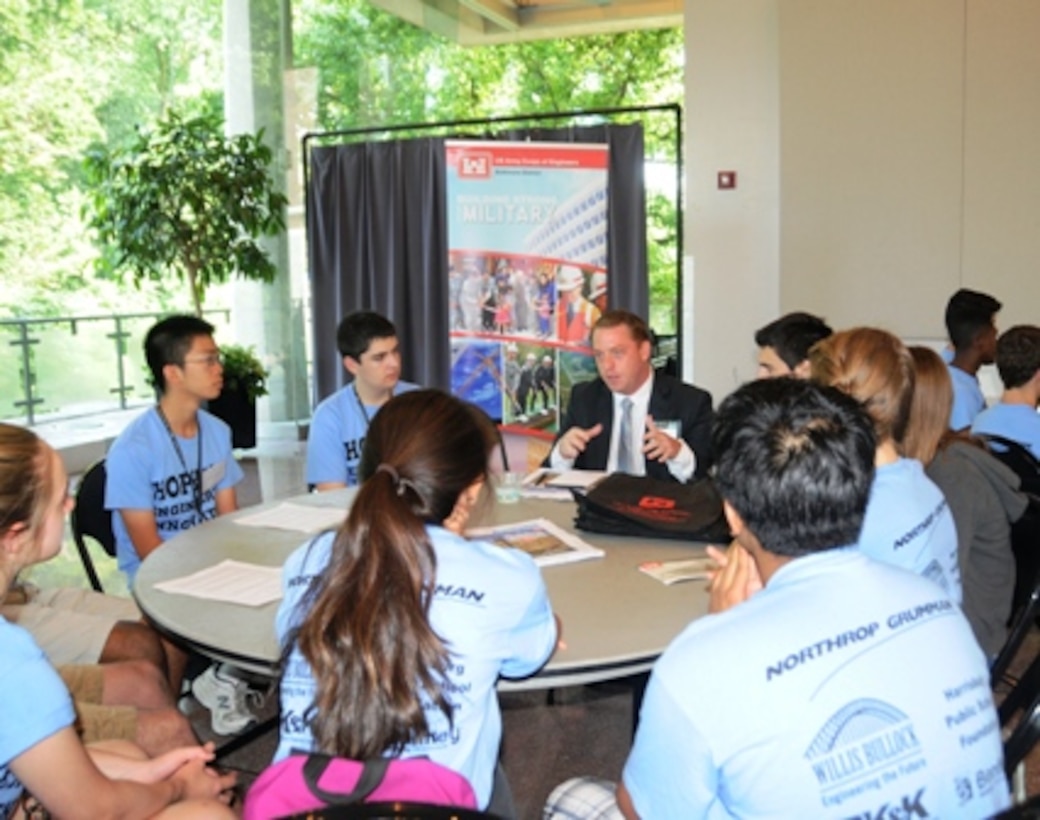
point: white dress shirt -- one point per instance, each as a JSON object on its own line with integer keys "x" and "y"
{"x": 681, "y": 467}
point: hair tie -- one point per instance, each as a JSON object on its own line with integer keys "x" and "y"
{"x": 400, "y": 484}
{"x": 390, "y": 471}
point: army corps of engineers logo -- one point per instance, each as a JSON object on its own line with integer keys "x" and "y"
{"x": 863, "y": 749}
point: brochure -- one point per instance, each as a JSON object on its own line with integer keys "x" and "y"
{"x": 680, "y": 569}
{"x": 540, "y": 538}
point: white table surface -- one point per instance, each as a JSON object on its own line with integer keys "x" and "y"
{"x": 616, "y": 620}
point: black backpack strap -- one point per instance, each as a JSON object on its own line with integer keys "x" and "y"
{"x": 372, "y": 774}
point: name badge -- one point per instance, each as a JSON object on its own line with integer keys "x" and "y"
{"x": 212, "y": 476}
{"x": 671, "y": 427}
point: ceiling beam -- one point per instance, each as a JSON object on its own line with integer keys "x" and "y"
{"x": 494, "y": 22}
{"x": 500, "y": 14}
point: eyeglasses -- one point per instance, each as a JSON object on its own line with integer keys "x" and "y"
{"x": 212, "y": 360}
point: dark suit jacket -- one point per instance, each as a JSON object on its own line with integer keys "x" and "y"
{"x": 591, "y": 403}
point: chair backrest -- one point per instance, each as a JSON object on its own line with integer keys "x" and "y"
{"x": 1020, "y": 626}
{"x": 1024, "y": 736}
{"x": 1019, "y": 459}
{"x": 89, "y": 517}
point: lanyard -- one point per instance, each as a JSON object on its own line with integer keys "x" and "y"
{"x": 361, "y": 407}
{"x": 196, "y": 484}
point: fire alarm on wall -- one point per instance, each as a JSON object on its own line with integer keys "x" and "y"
{"x": 727, "y": 180}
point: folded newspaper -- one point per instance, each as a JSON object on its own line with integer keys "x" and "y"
{"x": 540, "y": 538}
{"x": 679, "y": 569}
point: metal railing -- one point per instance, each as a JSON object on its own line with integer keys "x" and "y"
{"x": 73, "y": 366}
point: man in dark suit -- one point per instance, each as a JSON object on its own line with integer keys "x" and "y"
{"x": 632, "y": 419}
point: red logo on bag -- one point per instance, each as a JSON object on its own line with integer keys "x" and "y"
{"x": 475, "y": 164}
{"x": 656, "y": 502}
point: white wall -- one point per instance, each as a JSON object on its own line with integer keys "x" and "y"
{"x": 887, "y": 153}
{"x": 731, "y": 123}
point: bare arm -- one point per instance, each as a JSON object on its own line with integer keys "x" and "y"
{"x": 227, "y": 501}
{"x": 624, "y": 802}
{"x": 325, "y": 486}
{"x": 60, "y": 774}
{"x": 142, "y": 529}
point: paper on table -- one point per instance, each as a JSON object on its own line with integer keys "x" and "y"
{"x": 679, "y": 569}
{"x": 540, "y": 538}
{"x": 548, "y": 483}
{"x": 232, "y": 581}
{"x": 298, "y": 517}
{"x": 582, "y": 479}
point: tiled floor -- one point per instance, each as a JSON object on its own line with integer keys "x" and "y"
{"x": 587, "y": 731}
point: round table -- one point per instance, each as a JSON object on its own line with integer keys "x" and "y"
{"x": 616, "y": 619}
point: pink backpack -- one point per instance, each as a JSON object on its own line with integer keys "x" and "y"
{"x": 302, "y": 782}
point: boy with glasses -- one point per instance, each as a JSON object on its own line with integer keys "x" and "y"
{"x": 172, "y": 468}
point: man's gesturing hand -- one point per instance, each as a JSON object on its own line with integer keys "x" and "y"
{"x": 573, "y": 443}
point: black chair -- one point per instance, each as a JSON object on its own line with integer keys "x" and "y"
{"x": 1024, "y": 736}
{"x": 1021, "y": 624}
{"x": 393, "y": 811}
{"x": 89, "y": 517}
{"x": 1025, "y": 533}
{"x": 1019, "y": 458}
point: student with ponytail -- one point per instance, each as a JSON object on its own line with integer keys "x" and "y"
{"x": 397, "y": 627}
{"x": 44, "y": 768}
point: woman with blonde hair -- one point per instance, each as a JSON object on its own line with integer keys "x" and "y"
{"x": 908, "y": 522}
{"x": 982, "y": 494}
{"x": 44, "y": 768}
{"x": 397, "y": 626}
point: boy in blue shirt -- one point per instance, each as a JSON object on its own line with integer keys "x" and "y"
{"x": 1015, "y": 417}
{"x": 371, "y": 355}
{"x": 172, "y": 468}
{"x": 841, "y": 687}
{"x": 971, "y": 324}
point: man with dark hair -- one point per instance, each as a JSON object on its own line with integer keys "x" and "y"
{"x": 843, "y": 687}
{"x": 971, "y": 325}
{"x": 371, "y": 355}
{"x": 632, "y": 419}
{"x": 1015, "y": 417}
{"x": 172, "y": 468}
{"x": 783, "y": 345}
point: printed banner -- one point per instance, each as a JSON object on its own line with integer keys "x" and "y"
{"x": 527, "y": 238}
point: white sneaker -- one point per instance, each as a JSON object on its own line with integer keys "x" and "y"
{"x": 225, "y": 696}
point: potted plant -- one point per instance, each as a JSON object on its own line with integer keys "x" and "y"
{"x": 245, "y": 380}
{"x": 185, "y": 200}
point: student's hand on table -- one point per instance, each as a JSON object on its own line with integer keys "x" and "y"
{"x": 735, "y": 580}
{"x": 573, "y": 443}
{"x": 657, "y": 444}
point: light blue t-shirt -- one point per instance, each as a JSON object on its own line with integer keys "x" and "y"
{"x": 34, "y": 704}
{"x": 144, "y": 472}
{"x": 968, "y": 400}
{"x": 1017, "y": 422}
{"x": 909, "y": 524}
{"x": 337, "y": 434}
{"x": 492, "y": 611}
{"x": 845, "y": 688}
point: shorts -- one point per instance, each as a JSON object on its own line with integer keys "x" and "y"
{"x": 95, "y": 721}
{"x": 71, "y": 625}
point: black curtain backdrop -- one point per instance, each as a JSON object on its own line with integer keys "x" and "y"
{"x": 628, "y": 282}
{"x": 377, "y": 240}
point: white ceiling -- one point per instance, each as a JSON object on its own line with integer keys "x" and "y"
{"x": 483, "y": 22}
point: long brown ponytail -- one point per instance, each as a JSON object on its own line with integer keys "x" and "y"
{"x": 367, "y": 637}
